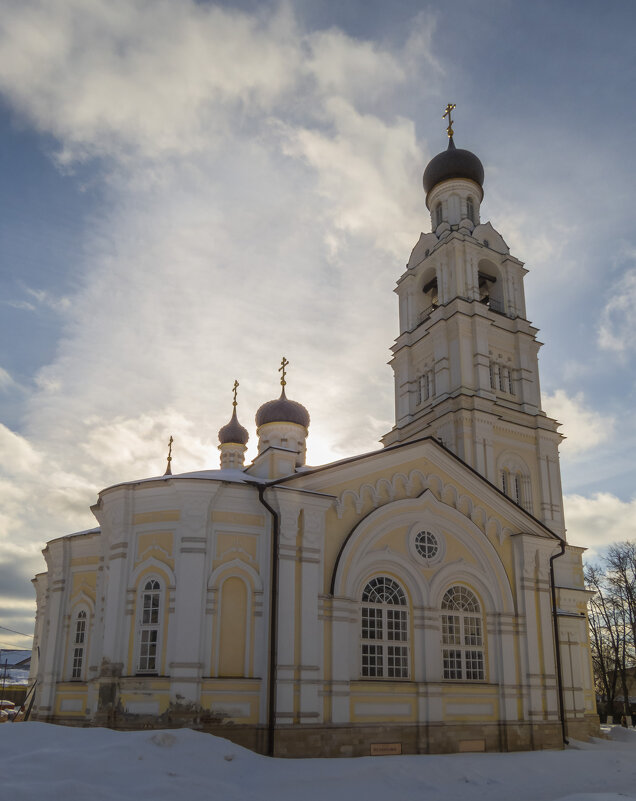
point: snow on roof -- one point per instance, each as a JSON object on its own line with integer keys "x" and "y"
{"x": 231, "y": 475}
{"x": 13, "y": 657}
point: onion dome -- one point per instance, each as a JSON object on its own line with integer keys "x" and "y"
{"x": 233, "y": 432}
{"x": 282, "y": 410}
{"x": 453, "y": 163}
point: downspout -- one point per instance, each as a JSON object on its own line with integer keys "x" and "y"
{"x": 273, "y": 623}
{"x": 557, "y": 646}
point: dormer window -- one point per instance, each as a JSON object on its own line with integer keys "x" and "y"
{"x": 438, "y": 214}
{"x": 470, "y": 209}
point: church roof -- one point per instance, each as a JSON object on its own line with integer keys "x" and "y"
{"x": 453, "y": 163}
{"x": 233, "y": 432}
{"x": 282, "y": 410}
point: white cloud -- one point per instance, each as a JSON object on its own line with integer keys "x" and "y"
{"x": 258, "y": 200}
{"x": 49, "y": 300}
{"x": 351, "y": 69}
{"x": 18, "y": 454}
{"x": 583, "y": 427}
{"x": 617, "y": 328}
{"x": 151, "y": 77}
{"x": 597, "y": 521}
{"x": 7, "y": 381}
{"x": 20, "y": 304}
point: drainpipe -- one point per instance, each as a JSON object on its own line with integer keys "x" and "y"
{"x": 273, "y": 623}
{"x": 557, "y": 647}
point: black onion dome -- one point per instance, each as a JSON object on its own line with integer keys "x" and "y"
{"x": 233, "y": 432}
{"x": 453, "y": 163}
{"x": 282, "y": 410}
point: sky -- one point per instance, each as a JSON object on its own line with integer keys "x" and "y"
{"x": 191, "y": 190}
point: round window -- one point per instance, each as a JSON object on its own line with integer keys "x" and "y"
{"x": 426, "y": 545}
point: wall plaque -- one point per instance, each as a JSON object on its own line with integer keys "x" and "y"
{"x": 386, "y": 749}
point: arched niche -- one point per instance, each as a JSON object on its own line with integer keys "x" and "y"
{"x": 429, "y": 297}
{"x": 491, "y": 286}
{"x": 361, "y": 555}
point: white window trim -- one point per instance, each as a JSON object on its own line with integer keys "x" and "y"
{"x": 458, "y": 626}
{"x": 149, "y": 627}
{"x": 81, "y": 615}
{"x": 381, "y": 647}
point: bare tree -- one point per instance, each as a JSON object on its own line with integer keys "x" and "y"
{"x": 612, "y": 616}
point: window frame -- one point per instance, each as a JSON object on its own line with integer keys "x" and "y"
{"x": 463, "y": 635}
{"x": 149, "y": 627}
{"x": 78, "y": 645}
{"x": 384, "y": 627}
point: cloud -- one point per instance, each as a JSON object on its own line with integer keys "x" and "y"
{"x": 617, "y": 327}
{"x": 583, "y": 427}
{"x": 20, "y": 304}
{"x": 597, "y": 521}
{"x": 48, "y": 300}
{"x": 152, "y": 77}
{"x": 351, "y": 69}
{"x": 7, "y": 381}
{"x": 256, "y": 188}
{"x": 18, "y": 454}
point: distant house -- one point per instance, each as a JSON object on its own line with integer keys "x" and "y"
{"x": 14, "y": 666}
{"x": 15, "y": 659}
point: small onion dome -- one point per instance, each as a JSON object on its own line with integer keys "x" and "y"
{"x": 453, "y": 163}
{"x": 282, "y": 410}
{"x": 233, "y": 432}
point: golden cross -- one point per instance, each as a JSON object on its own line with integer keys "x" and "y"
{"x": 236, "y": 386}
{"x": 282, "y": 367}
{"x": 168, "y": 468}
{"x": 447, "y": 113}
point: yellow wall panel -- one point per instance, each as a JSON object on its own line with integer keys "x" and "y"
{"x": 163, "y": 516}
{"x": 233, "y": 627}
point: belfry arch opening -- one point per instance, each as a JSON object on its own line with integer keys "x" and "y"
{"x": 430, "y": 292}
{"x": 490, "y": 286}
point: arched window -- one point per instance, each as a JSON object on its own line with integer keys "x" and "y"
{"x": 518, "y": 497}
{"x": 470, "y": 209}
{"x": 504, "y": 482}
{"x": 78, "y": 645}
{"x": 515, "y": 483}
{"x": 438, "y": 214}
{"x": 423, "y": 388}
{"x": 462, "y": 635}
{"x": 149, "y": 627}
{"x": 384, "y": 630}
{"x": 494, "y": 374}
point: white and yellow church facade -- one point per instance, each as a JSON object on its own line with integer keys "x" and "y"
{"x": 420, "y": 598}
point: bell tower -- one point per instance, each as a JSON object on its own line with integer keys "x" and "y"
{"x": 466, "y": 360}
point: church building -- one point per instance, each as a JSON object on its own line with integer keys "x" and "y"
{"x": 420, "y": 598}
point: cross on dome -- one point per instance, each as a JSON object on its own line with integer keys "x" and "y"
{"x": 447, "y": 113}
{"x": 168, "y": 466}
{"x": 283, "y": 364}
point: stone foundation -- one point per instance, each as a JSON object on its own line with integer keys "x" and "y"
{"x": 363, "y": 740}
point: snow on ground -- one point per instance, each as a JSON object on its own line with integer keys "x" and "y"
{"x": 54, "y": 763}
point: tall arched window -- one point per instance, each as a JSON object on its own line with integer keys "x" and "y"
{"x": 438, "y": 214}
{"x": 384, "y": 630}
{"x": 149, "y": 628}
{"x": 515, "y": 483}
{"x": 470, "y": 209}
{"x": 78, "y": 645}
{"x": 462, "y": 635}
